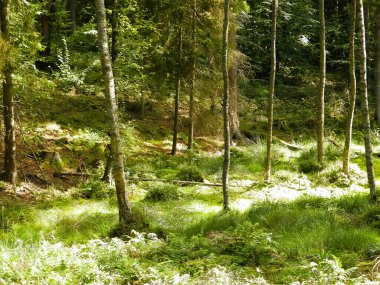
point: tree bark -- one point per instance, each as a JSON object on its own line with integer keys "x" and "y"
{"x": 233, "y": 86}
{"x": 71, "y": 6}
{"x": 351, "y": 109}
{"x": 46, "y": 26}
{"x": 272, "y": 81}
{"x": 193, "y": 78}
{"x": 226, "y": 99}
{"x": 322, "y": 82}
{"x": 125, "y": 211}
{"x": 377, "y": 65}
{"x": 363, "y": 88}
{"x": 177, "y": 89}
{"x": 114, "y": 28}
{"x": 8, "y": 108}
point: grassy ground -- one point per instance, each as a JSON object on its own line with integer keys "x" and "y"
{"x": 311, "y": 225}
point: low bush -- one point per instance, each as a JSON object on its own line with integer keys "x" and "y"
{"x": 94, "y": 189}
{"x": 162, "y": 192}
{"x": 190, "y": 173}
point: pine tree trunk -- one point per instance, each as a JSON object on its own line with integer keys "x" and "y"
{"x": 125, "y": 211}
{"x": 193, "y": 78}
{"x": 377, "y": 65}
{"x": 177, "y": 89}
{"x": 71, "y": 5}
{"x": 8, "y": 108}
{"x": 46, "y": 26}
{"x": 272, "y": 81}
{"x": 363, "y": 88}
{"x": 233, "y": 86}
{"x": 351, "y": 109}
{"x": 226, "y": 99}
{"x": 322, "y": 82}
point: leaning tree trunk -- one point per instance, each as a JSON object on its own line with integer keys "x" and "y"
{"x": 8, "y": 108}
{"x": 322, "y": 81}
{"x": 233, "y": 85}
{"x": 226, "y": 99}
{"x": 351, "y": 109}
{"x": 363, "y": 88}
{"x": 268, "y": 159}
{"x": 193, "y": 77}
{"x": 177, "y": 89}
{"x": 377, "y": 65}
{"x": 125, "y": 211}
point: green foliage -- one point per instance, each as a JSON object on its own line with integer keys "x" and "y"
{"x": 307, "y": 161}
{"x": 190, "y": 173}
{"x": 94, "y": 189}
{"x": 162, "y": 192}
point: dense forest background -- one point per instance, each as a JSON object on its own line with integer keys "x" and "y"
{"x": 190, "y": 142}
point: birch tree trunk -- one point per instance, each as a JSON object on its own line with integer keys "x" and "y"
{"x": 226, "y": 123}
{"x": 8, "y": 108}
{"x": 351, "y": 109}
{"x": 125, "y": 211}
{"x": 322, "y": 82}
{"x": 272, "y": 81}
{"x": 363, "y": 89}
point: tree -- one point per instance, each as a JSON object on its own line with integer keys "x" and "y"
{"x": 177, "y": 87}
{"x": 193, "y": 77}
{"x": 351, "y": 109}
{"x": 226, "y": 99}
{"x": 8, "y": 108}
{"x": 377, "y": 64}
{"x": 272, "y": 81}
{"x": 322, "y": 81}
{"x": 363, "y": 89}
{"x": 125, "y": 211}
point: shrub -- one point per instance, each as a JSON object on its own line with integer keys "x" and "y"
{"x": 190, "y": 173}
{"x": 94, "y": 189}
{"x": 307, "y": 161}
{"x": 162, "y": 192}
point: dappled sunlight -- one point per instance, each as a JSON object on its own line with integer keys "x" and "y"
{"x": 241, "y": 204}
{"x": 201, "y": 207}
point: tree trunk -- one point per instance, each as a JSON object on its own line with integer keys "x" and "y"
{"x": 114, "y": 28}
{"x": 351, "y": 110}
{"x": 193, "y": 77}
{"x": 322, "y": 81}
{"x": 71, "y": 6}
{"x": 226, "y": 99}
{"x": 363, "y": 88}
{"x": 125, "y": 211}
{"x": 46, "y": 24}
{"x": 8, "y": 109}
{"x": 233, "y": 85}
{"x": 377, "y": 65}
{"x": 268, "y": 160}
{"x": 177, "y": 89}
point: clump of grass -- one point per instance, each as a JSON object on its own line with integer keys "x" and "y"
{"x": 162, "y": 192}
{"x": 93, "y": 189}
{"x": 307, "y": 161}
{"x": 190, "y": 173}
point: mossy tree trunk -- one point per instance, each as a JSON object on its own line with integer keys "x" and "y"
{"x": 322, "y": 81}
{"x": 351, "y": 109}
{"x": 363, "y": 89}
{"x": 226, "y": 99}
{"x": 272, "y": 81}
{"x": 125, "y": 211}
{"x": 8, "y": 103}
{"x": 177, "y": 88}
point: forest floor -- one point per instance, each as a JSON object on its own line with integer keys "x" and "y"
{"x": 310, "y": 225}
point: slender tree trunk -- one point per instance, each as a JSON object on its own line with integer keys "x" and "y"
{"x": 351, "y": 109}
{"x": 177, "y": 89}
{"x": 8, "y": 108}
{"x": 364, "y": 97}
{"x": 268, "y": 159}
{"x": 46, "y": 25}
{"x": 114, "y": 28}
{"x": 193, "y": 78}
{"x": 233, "y": 85}
{"x": 226, "y": 99}
{"x": 71, "y": 5}
{"x": 125, "y": 211}
{"x": 377, "y": 64}
{"x": 322, "y": 81}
